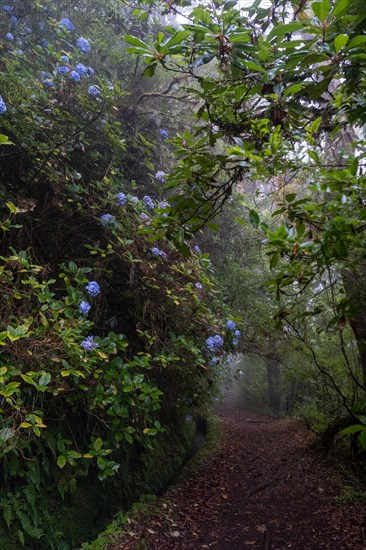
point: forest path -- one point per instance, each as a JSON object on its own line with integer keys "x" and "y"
{"x": 262, "y": 488}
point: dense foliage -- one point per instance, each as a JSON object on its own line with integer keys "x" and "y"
{"x": 110, "y": 341}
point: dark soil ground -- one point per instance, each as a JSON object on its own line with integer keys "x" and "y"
{"x": 263, "y": 488}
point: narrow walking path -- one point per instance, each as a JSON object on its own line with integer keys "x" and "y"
{"x": 263, "y": 488}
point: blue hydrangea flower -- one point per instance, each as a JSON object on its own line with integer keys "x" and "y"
{"x": 42, "y": 25}
{"x": 83, "y": 44}
{"x": 198, "y": 285}
{"x": 155, "y": 251}
{"x": 84, "y": 308}
{"x": 163, "y": 133}
{"x": 74, "y": 76}
{"x": 160, "y": 175}
{"x": 13, "y": 20}
{"x": 2, "y": 105}
{"x": 28, "y": 30}
{"x": 121, "y": 199}
{"x": 48, "y": 83}
{"x": 67, "y": 24}
{"x": 163, "y": 204}
{"x": 81, "y": 69}
{"x": 94, "y": 91}
{"x": 230, "y": 325}
{"x": 237, "y": 334}
{"x": 91, "y": 71}
{"x": 214, "y": 343}
{"x": 134, "y": 199}
{"x": 144, "y": 217}
{"x": 107, "y": 220}
{"x": 9, "y": 36}
{"x": 45, "y": 44}
{"x": 63, "y": 69}
{"x": 235, "y": 342}
{"x": 7, "y": 9}
{"x": 214, "y": 361}
{"x": 93, "y": 288}
{"x": 149, "y": 203}
{"x": 65, "y": 58}
{"x": 89, "y": 344}
{"x": 197, "y": 249}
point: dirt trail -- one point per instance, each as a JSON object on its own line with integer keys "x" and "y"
{"x": 263, "y": 488}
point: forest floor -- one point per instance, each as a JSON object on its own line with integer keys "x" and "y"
{"x": 264, "y": 487}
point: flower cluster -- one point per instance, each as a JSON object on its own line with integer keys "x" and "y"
{"x": 214, "y": 343}
{"x": 148, "y": 201}
{"x": 230, "y": 325}
{"x": 83, "y": 45}
{"x": 93, "y": 288}
{"x": 198, "y": 286}
{"x": 163, "y": 133}
{"x": 155, "y": 251}
{"x": 84, "y": 307}
{"x": 108, "y": 220}
{"x": 67, "y": 24}
{"x": 160, "y": 175}
{"x": 2, "y": 105}
{"x": 121, "y": 199}
{"x": 89, "y": 344}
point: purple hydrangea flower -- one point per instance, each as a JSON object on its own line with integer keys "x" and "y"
{"x": 67, "y": 24}
{"x": 149, "y": 203}
{"x": 94, "y": 91}
{"x": 237, "y": 334}
{"x": 163, "y": 204}
{"x": 107, "y": 220}
{"x": 197, "y": 249}
{"x": 89, "y": 344}
{"x": 214, "y": 342}
{"x": 2, "y": 105}
{"x": 74, "y": 76}
{"x": 160, "y": 175}
{"x": 162, "y": 254}
{"x": 198, "y": 285}
{"x": 163, "y": 133}
{"x": 235, "y": 342}
{"x": 121, "y": 199}
{"x": 81, "y": 69}
{"x": 155, "y": 251}
{"x": 9, "y": 36}
{"x": 134, "y": 199}
{"x": 83, "y": 44}
{"x": 84, "y": 307}
{"x": 230, "y": 325}
{"x": 144, "y": 217}
{"x": 93, "y": 288}
{"x": 63, "y": 69}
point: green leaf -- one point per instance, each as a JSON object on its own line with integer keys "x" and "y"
{"x": 288, "y": 28}
{"x": 45, "y": 379}
{"x": 61, "y": 461}
{"x": 137, "y": 42}
{"x": 353, "y": 429}
{"x": 29, "y": 380}
{"x": 177, "y": 38}
{"x": 98, "y": 444}
{"x": 290, "y": 197}
{"x": 254, "y": 218}
{"x": 340, "y": 41}
{"x": 321, "y": 9}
